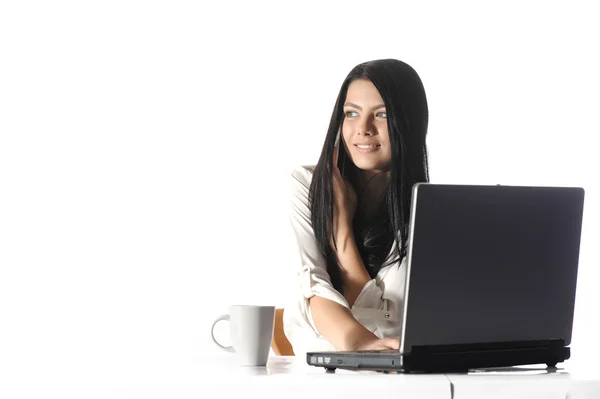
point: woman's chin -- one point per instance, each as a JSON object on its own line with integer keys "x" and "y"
{"x": 370, "y": 166}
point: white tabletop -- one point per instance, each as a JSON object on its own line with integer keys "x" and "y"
{"x": 569, "y": 380}
{"x": 513, "y": 382}
{"x": 283, "y": 377}
{"x": 218, "y": 375}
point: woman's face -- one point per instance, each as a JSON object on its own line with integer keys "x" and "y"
{"x": 365, "y": 129}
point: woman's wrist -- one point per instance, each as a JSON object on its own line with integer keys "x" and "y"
{"x": 350, "y": 260}
{"x": 358, "y": 338}
{"x": 344, "y": 238}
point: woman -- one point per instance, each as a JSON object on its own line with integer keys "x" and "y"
{"x": 350, "y": 213}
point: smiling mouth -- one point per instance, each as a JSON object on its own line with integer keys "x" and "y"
{"x": 366, "y": 148}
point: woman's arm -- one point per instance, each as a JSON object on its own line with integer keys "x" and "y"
{"x": 354, "y": 273}
{"x": 322, "y": 308}
{"x": 334, "y": 321}
{"x": 337, "y": 324}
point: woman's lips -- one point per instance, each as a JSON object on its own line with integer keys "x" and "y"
{"x": 367, "y": 148}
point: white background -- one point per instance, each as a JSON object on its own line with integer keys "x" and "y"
{"x": 146, "y": 147}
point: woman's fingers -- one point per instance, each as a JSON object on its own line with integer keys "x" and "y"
{"x": 382, "y": 344}
{"x": 392, "y": 343}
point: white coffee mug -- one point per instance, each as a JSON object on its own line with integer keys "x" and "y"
{"x": 251, "y": 329}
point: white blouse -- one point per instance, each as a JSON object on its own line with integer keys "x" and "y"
{"x": 379, "y": 304}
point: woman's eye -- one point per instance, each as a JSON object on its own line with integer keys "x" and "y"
{"x": 382, "y": 114}
{"x": 350, "y": 114}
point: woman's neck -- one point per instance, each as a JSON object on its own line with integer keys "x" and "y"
{"x": 370, "y": 186}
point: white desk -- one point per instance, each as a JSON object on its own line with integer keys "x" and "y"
{"x": 513, "y": 383}
{"x": 218, "y": 376}
{"x": 572, "y": 379}
{"x": 283, "y": 378}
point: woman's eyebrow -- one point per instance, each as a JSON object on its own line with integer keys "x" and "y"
{"x": 360, "y": 108}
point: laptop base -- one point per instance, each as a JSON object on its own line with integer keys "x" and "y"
{"x": 424, "y": 360}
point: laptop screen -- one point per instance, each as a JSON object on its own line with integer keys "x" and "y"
{"x": 491, "y": 264}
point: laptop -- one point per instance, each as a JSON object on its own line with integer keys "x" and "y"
{"x": 491, "y": 280}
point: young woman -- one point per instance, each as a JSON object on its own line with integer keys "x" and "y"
{"x": 350, "y": 213}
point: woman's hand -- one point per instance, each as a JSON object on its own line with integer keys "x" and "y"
{"x": 374, "y": 343}
{"x": 379, "y": 344}
{"x": 361, "y": 339}
{"x": 337, "y": 324}
{"x": 344, "y": 198}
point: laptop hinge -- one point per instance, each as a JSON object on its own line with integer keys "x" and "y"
{"x": 487, "y": 346}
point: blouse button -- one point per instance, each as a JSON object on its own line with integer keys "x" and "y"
{"x": 387, "y": 315}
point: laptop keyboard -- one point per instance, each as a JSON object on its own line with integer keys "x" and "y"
{"x": 378, "y": 351}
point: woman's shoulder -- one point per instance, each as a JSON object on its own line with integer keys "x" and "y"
{"x": 303, "y": 174}
{"x": 300, "y": 191}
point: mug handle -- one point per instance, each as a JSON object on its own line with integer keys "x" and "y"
{"x": 224, "y": 317}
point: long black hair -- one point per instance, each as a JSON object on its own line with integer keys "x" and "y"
{"x": 404, "y": 97}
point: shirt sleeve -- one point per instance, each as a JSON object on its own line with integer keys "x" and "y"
{"x": 313, "y": 279}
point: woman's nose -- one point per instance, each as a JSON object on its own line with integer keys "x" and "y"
{"x": 365, "y": 127}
